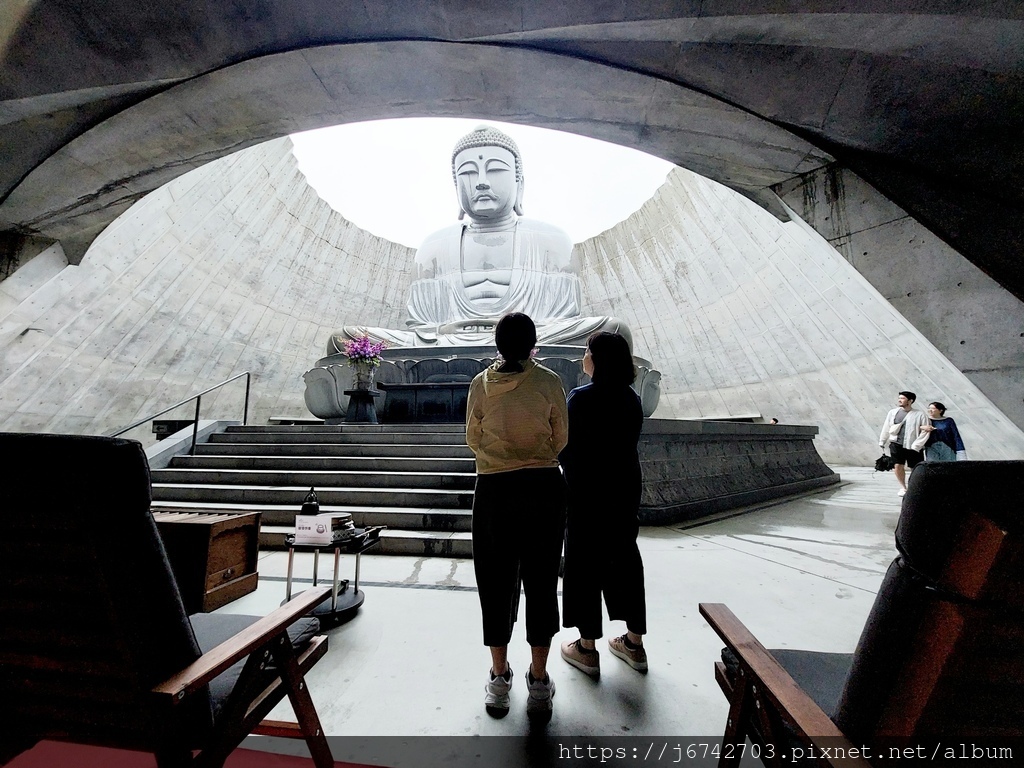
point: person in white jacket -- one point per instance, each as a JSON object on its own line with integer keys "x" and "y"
{"x": 902, "y": 433}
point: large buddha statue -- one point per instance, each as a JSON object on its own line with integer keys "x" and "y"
{"x": 493, "y": 261}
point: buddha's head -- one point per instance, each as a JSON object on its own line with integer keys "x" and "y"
{"x": 488, "y": 173}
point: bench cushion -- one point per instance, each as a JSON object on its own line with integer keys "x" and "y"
{"x": 212, "y": 629}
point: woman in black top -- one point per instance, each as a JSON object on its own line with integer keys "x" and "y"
{"x": 602, "y": 469}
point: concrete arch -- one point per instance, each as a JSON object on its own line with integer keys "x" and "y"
{"x": 922, "y": 101}
{"x": 76, "y": 192}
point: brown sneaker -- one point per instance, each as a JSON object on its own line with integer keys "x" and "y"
{"x": 636, "y": 656}
{"x": 584, "y": 659}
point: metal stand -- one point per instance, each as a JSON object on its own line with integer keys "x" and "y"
{"x": 344, "y": 602}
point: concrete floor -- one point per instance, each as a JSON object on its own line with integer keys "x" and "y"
{"x": 801, "y": 573}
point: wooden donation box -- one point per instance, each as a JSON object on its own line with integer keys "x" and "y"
{"x": 213, "y": 555}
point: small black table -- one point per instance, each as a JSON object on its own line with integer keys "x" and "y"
{"x": 344, "y": 602}
{"x": 361, "y": 407}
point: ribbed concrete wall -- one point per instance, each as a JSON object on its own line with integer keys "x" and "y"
{"x": 240, "y": 266}
{"x": 745, "y": 315}
{"x": 968, "y": 316}
{"x": 235, "y": 266}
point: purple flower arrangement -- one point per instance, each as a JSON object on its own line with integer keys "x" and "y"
{"x": 363, "y": 350}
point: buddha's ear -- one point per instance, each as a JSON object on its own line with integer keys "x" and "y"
{"x": 458, "y": 199}
{"x": 518, "y": 207}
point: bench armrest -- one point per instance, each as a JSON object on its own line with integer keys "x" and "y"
{"x": 774, "y": 687}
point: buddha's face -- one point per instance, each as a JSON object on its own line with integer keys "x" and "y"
{"x": 486, "y": 182}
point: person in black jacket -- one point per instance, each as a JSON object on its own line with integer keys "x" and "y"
{"x": 602, "y": 470}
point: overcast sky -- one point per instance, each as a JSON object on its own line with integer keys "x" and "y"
{"x": 394, "y": 179}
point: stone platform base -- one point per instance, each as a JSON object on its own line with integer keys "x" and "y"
{"x": 418, "y": 479}
{"x": 412, "y": 368}
{"x": 692, "y": 469}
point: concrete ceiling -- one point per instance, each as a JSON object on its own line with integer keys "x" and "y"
{"x": 102, "y": 101}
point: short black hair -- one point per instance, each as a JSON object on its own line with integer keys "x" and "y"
{"x": 909, "y": 395}
{"x": 515, "y": 335}
{"x": 613, "y": 362}
{"x": 939, "y": 407}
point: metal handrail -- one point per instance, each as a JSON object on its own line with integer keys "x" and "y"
{"x": 199, "y": 399}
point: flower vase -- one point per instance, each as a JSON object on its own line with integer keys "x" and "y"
{"x": 362, "y": 375}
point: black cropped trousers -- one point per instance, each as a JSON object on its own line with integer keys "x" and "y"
{"x": 602, "y": 558}
{"x": 518, "y": 528}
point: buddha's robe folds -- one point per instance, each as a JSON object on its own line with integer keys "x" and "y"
{"x": 541, "y": 282}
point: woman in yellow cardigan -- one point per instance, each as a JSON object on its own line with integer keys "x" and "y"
{"x": 516, "y": 424}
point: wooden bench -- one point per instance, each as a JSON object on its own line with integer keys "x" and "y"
{"x": 941, "y": 657}
{"x": 95, "y": 642}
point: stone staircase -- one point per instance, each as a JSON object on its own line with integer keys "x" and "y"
{"x": 417, "y": 479}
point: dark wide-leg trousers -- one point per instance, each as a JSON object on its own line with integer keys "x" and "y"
{"x": 602, "y": 557}
{"x": 518, "y": 528}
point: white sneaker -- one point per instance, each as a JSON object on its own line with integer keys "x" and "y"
{"x": 538, "y": 705}
{"x": 496, "y": 698}
{"x": 901, "y": 492}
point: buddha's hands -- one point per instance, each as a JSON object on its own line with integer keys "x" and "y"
{"x": 475, "y": 325}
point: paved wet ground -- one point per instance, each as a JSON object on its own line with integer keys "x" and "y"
{"x": 800, "y": 573}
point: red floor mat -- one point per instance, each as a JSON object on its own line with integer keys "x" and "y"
{"x": 51, "y": 754}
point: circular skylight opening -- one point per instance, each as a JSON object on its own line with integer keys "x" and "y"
{"x": 393, "y": 177}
